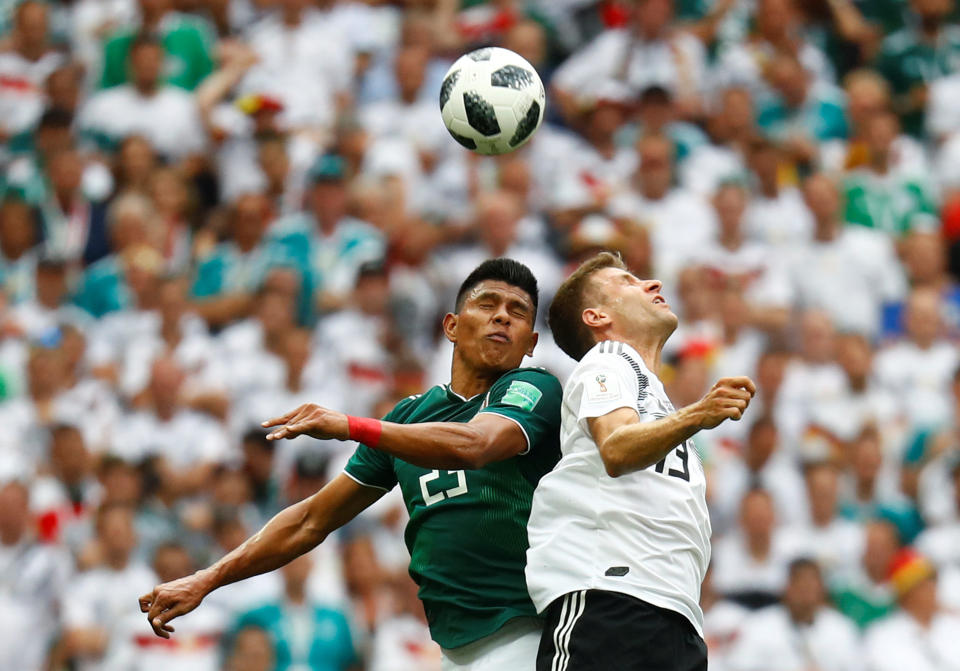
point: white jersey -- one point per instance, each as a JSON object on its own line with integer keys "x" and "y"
{"x": 647, "y": 533}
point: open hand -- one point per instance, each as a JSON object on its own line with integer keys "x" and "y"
{"x": 312, "y": 420}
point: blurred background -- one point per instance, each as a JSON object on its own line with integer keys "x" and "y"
{"x": 215, "y": 210}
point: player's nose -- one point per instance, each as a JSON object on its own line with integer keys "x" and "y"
{"x": 653, "y": 286}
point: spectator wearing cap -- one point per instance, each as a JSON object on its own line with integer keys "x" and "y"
{"x": 33, "y": 580}
{"x": 25, "y": 64}
{"x": 166, "y": 115}
{"x": 851, "y": 272}
{"x": 650, "y": 50}
{"x": 921, "y": 636}
{"x": 328, "y": 245}
{"x": 187, "y": 43}
{"x": 799, "y": 634}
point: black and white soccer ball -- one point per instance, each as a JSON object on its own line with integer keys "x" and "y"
{"x": 492, "y": 100}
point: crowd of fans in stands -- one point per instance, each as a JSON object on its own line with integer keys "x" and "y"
{"x": 215, "y": 210}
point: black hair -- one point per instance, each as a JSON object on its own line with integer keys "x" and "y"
{"x": 803, "y": 563}
{"x": 258, "y": 437}
{"x": 512, "y": 272}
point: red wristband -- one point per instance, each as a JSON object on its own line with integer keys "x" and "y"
{"x": 364, "y": 430}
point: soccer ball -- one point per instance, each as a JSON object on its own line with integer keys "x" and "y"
{"x": 492, "y": 100}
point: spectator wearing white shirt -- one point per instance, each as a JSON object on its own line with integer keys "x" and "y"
{"x": 166, "y": 115}
{"x": 732, "y": 260}
{"x": 848, "y": 271}
{"x": 801, "y": 634}
{"x": 186, "y": 444}
{"x": 678, "y": 221}
{"x": 941, "y": 542}
{"x": 921, "y": 636}
{"x": 33, "y": 580}
{"x": 25, "y": 64}
{"x": 762, "y": 464}
{"x": 722, "y": 620}
{"x": 402, "y": 640}
{"x": 101, "y": 597}
{"x": 649, "y": 51}
{"x": 924, "y": 362}
{"x": 48, "y": 308}
{"x": 776, "y": 214}
{"x": 834, "y": 542}
{"x": 750, "y": 564}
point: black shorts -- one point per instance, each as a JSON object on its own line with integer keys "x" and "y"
{"x": 594, "y": 630}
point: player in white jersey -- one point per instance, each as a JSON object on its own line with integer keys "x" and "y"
{"x": 619, "y": 531}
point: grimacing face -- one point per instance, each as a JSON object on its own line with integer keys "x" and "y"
{"x": 494, "y": 328}
{"x": 631, "y": 304}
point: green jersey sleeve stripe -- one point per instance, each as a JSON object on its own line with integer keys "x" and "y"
{"x": 515, "y": 421}
{"x": 365, "y": 484}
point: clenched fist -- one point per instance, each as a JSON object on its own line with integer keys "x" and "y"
{"x": 728, "y": 399}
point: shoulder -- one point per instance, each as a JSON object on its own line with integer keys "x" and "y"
{"x": 532, "y": 374}
{"x": 405, "y": 406}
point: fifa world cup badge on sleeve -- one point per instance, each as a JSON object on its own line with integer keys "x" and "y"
{"x": 603, "y": 387}
{"x": 523, "y": 395}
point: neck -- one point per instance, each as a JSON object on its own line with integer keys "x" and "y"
{"x": 758, "y": 546}
{"x": 11, "y": 536}
{"x": 146, "y": 89}
{"x": 648, "y": 348}
{"x": 731, "y": 241}
{"x": 825, "y": 233}
{"x": 880, "y": 164}
{"x": 865, "y": 488}
{"x": 923, "y": 616}
{"x": 296, "y": 594}
{"x": 468, "y": 381}
{"x": 117, "y": 561}
{"x": 769, "y": 188}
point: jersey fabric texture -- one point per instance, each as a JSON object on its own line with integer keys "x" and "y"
{"x": 467, "y": 532}
{"x": 647, "y": 533}
{"x": 593, "y": 630}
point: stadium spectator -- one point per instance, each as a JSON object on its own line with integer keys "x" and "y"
{"x": 847, "y": 271}
{"x": 304, "y": 634}
{"x": 801, "y": 633}
{"x": 33, "y": 586}
{"x": 776, "y": 214}
{"x": 862, "y": 593}
{"x": 100, "y": 595}
{"x": 920, "y": 635}
{"x": 19, "y": 235}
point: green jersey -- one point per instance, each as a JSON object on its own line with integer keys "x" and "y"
{"x": 467, "y": 533}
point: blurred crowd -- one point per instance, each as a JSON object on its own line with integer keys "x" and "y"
{"x": 215, "y": 210}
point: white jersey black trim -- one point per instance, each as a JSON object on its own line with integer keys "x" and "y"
{"x": 613, "y": 347}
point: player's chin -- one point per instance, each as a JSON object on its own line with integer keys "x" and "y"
{"x": 501, "y": 357}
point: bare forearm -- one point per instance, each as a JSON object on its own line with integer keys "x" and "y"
{"x": 434, "y": 444}
{"x": 288, "y": 535}
{"x": 634, "y": 447}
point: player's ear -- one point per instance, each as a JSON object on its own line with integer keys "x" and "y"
{"x": 595, "y": 318}
{"x": 450, "y": 327}
{"x": 534, "y": 338}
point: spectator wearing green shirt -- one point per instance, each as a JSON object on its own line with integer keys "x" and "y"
{"x": 926, "y": 49}
{"x": 804, "y": 112}
{"x": 188, "y": 44}
{"x": 305, "y": 634}
{"x": 880, "y": 197}
{"x": 864, "y": 595}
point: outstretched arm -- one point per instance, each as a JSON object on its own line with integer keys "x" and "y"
{"x": 291, "y": 533}
{"x": 626, "y": 444}
{"x": 485, "y": 439}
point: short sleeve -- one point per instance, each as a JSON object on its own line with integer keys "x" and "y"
{"x": 605, "y": 384}
{"x": 531, "y": 398}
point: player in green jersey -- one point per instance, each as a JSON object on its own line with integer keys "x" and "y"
{"x": 467, "y": 456}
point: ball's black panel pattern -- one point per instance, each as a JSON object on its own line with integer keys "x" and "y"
{"x": 481, "y": 54}
{"x": 527, "y": 125}
{"x": 465, "y": 141}
{"x": 447, "y": 87}
{"x": 512, "y": 76}
{"x": 480, "y": 114}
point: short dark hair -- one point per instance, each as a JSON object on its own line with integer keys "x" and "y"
{"x": 566, "y": 312}
{"x": 802, "y": 564}
{"x": 512, "y": 272}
